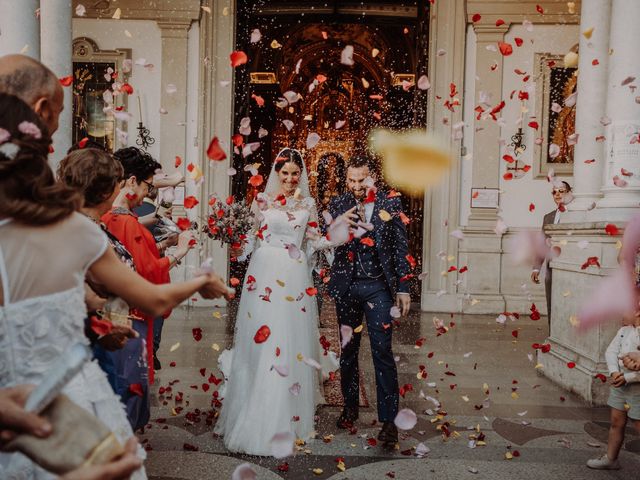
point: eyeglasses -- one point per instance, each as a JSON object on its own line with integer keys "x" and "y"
{"x": 151, "y": 186}
{"x": 553, "y": 192}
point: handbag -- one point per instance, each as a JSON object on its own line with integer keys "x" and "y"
{"x": 78, "y": 439}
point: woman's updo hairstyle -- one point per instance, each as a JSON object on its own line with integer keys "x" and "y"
{"x": 289, "y": 155}
{"x": 29, "y": 192}
{"x": 136, "y": 163}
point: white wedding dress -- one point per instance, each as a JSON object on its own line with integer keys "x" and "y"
{"x": 274, "y": 387}
{"x": 42, "y": 271}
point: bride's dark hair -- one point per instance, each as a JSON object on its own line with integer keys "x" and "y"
{"x": 289, "y": 155}
{"x": 29, "y": 192}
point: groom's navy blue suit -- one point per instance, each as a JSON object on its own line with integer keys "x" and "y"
{"x": 364, "y": 281}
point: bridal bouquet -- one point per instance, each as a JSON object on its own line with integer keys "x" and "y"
{"x": 229, "y": 222}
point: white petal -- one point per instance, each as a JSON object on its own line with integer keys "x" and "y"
{"x": 294, "y": 251}
{"x": 283, "y": 370}
{"x": 312, "y": 363}
{"x": 346, "y": 57}
{"x": 282, "y": 444}
{"x": 457, "y": 234}
{"x": 255, "y": 36}
{"x": 171, "y": 88}
{"x": 295, "y": 389}
{"x": 231, "y": 171}
{"x": 424, "y": 83}
{"x": 340, "y": 124}
{"x": 406, "y": 419}
{"x": 571, "y": 100}
{"x": 395, "y": 312}
{"x": 291, "y": 96}
{"x": 346, "y": 332}
{"x": 312, "y": 140}
{"x": 262, "y": 133}
{"x": 554, "y": 150}
{"x": 80, "y": 10}
{"x": 422, "y": 450}
{"x": 244, "y": 472}
{"x": 288, "y": 124}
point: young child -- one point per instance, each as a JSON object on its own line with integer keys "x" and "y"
{"x": 624, "y": 397}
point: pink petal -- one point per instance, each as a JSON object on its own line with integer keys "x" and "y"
{"x": 346, "y": 57}
{"x": 457, "y": 234}
{"x": 312, "y": 140}
{"x": 244, "y": 472}
{"x": 311, "y": 362}
{"x": 283, "y": 370}
{"x": 282, "y": 444}
{"x": 346, "y": 332}
{"x": 295, "y": 389}
{"x": 614, "y": 297}
{"x": 294, "y": 252}
{"x": 395, "y": 312}
{"x": 406, "y": 419}
{"x": 424, "y": 83}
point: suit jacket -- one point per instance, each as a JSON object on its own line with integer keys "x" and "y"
{"x": 391, "y": 243}
{"x": 547, "y": 220}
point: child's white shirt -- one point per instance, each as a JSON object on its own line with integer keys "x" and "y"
{"x": 626, "y": 341}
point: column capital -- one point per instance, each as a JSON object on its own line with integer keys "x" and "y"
{"x": 490, "y": 30}
{"x": 174, "y": 29}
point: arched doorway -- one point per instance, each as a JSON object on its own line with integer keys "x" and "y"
{"x": 298, "y": 58}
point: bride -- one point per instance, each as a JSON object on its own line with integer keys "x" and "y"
{"x": 273, "y": 372}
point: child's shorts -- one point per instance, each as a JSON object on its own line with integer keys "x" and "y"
{"x": 626, "y": 395}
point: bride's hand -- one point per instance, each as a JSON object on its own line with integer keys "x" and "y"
{"x": 216, "y": 288}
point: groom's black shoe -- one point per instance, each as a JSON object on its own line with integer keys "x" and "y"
{"x": 347, "y": 418}
{"x": 388, "y": 435}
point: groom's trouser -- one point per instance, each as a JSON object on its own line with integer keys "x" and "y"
{"x": 372, "y": 299}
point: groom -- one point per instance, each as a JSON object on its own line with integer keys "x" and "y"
{"x": 367, "y": 279}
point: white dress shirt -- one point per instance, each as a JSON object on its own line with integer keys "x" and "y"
{"x": 626, "y": 341}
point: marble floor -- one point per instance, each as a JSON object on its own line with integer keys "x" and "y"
{"x": 497, "y": 419}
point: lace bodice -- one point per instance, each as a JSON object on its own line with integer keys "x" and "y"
{"x": 284, "y": 223}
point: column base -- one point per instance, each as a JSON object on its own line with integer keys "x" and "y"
{"x": 580, "y": 380}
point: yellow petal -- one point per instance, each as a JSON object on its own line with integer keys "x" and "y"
{"x": 217, "y": 315}
{"x": 341, "y": 466}
{"x": 474, "y": 301}
{"x": 508, "y": 455}
{"x": 365, "y": 84}
{"x": 515, "y": 395}
{"x": 465, "y": 398}
{"x": 485, "y": 388}
{"x": 571, "y": 60}
{"x": 375, "y": 52}
{"x": 566, "y": 294}
{"x": 216, "y": 347}
{"x": 300, "y": 357}
{"x": 318, "y": 471}
{"x": 573, "y": 320}
{"x": 358, "y": 329}
{"x": 384, "y": 215}
{"x": 289, "y": 298}
{"x": 173, "y": 412}
{"x": 539, "y": 365}
{"x": 174, "y": 347}
{"x": 275, "y": 44}
{"x": 116, "y": 14}
{"x": 588, "y": 32}
{"x": 280, "y": 282}
{"x": 451, "y": 258}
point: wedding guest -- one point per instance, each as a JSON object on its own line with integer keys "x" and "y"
{"x": 139, "y": 169}
{"x": 34, "y": 84}
{"x": 42, "y": 309}
{"x": 15, "y": 420}
{"x": 561, "y": 192}
{"x": 97, "y": 176}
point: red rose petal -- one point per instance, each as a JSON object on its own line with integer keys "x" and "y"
{"x": 262, "y": 334}
{"x": 505, "y": 48}
{"x": 136, "y": 389}
{"x": 214, "y": 151}
{"x": 238, "y": 58}
{"x": 540, "y": 9}
{"x": 532, "y": 207}
{"x": 184, "y": 223}
{"x": 178, "y": 161}
{"x": 190, "y": 202}
{"x": 571, "y": 365}
{"x": 100, "y": 327}
{"x": 368, "y": 241}
{"x": 518, "y": 41}
{"x": 197, "y": 334}
{"x": 311, "y": 291}
{"x": 66, "y": 81}
{"x": 611, "y": 229}
{"x": 126, "y": 88}
{"x": 83, "y": 143}
{"x": 499, "y": 22}
{"x": 476, "y": 17}
{"x": 256, "y": 180}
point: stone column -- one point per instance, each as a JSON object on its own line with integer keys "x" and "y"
{"x": 591, "y": 108}
{"x": 622, "y": 144}
{"x": 55, "y": 31}
{"x": 19, "y": 28}
{"x": 486, "y": 149}
{"x": 174, "y": 67}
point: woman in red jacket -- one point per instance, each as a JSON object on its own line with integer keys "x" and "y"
{"x": 139, "y": 168}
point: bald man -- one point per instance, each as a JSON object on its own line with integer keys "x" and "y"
{"x": 34, "y": 84}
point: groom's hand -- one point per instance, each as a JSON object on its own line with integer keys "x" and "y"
{"x": 403, "y": 302}
{"x": 350, "y": 217}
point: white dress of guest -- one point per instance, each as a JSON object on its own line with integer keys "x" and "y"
{"x": 42, "y": 270}
{"x": 274, "y": 387}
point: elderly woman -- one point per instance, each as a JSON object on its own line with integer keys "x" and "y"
{"x": 97, "y": 176}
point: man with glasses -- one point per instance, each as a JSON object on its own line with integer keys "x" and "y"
{"x": 560, "y": 192}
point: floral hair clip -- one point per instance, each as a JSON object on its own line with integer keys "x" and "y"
{"x": 30, "y": 129}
